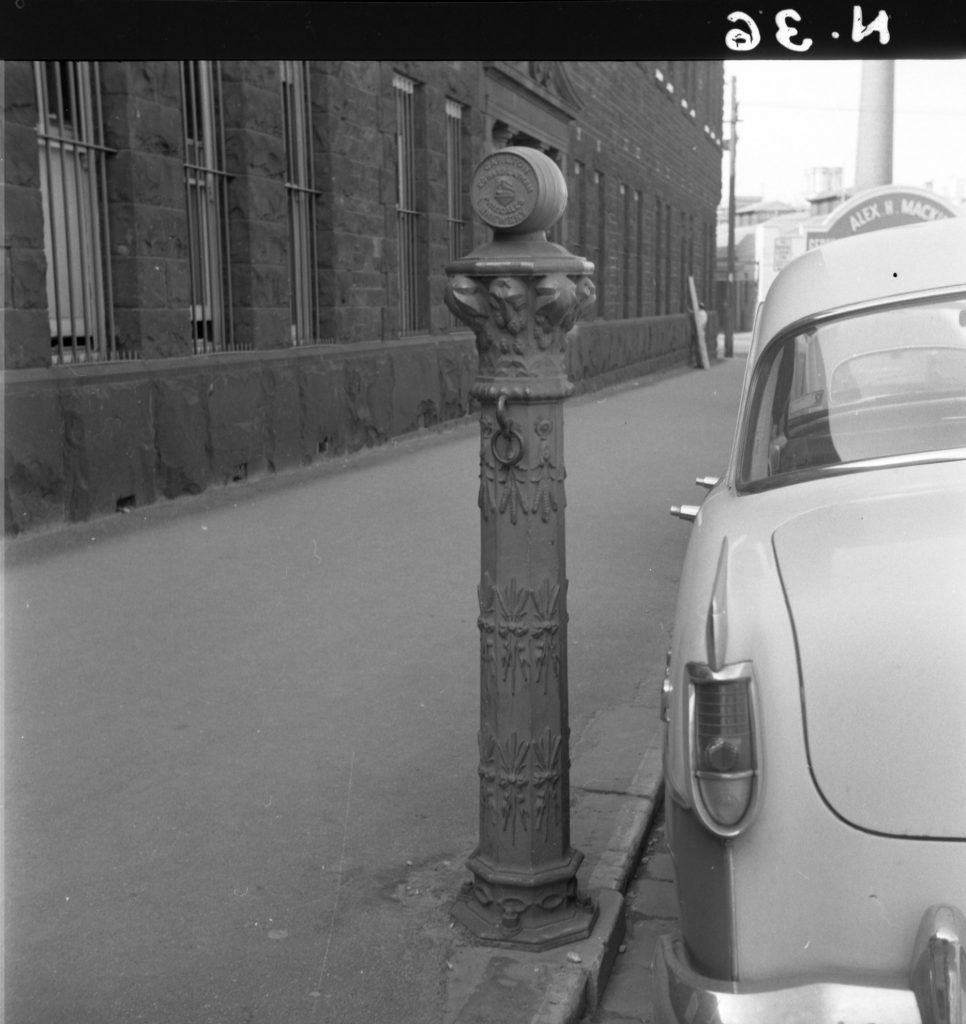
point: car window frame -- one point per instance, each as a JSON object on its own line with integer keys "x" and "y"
{"x": 750, "y": 404}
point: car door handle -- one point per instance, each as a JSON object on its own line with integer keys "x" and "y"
{"x": 689, "y": 512}
{"x": 707, "y": 481}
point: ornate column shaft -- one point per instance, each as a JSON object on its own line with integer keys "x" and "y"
{"x": 521, "y": 295}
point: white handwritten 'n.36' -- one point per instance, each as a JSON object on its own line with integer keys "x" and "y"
{"x": 747, "y": 38}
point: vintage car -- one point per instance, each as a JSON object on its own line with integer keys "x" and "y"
{"x": 815, "y": 697}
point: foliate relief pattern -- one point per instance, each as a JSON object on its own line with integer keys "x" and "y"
{"x": 513, "y": 632}
{"x": 517, "y": 489}
{"x": 545, "y": 629}
{"x": 519, "y": 635}
{"x": 467, "y": 301}
{"x": 508, "y": 302}
{"x": 545, "y": 476}
{"x": 547, "y": 770}
{"x": 489, "y": 658}
{"x": 498, "y": 312}
{"x": 560, "y": 302}
{"x": 520, "y": 782}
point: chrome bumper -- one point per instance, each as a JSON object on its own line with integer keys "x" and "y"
{"x": 936, "y": 992}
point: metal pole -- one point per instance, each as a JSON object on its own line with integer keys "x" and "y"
{"x": 732, "y": 288}
{"x": 521, "y": 295}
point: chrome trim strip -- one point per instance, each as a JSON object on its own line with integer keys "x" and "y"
{"x": 717, "y": 622}
{"x": 909, "y": 459}
{"x": 727, "y": 776}
{"x": 880, "y": 304}
{"x": 938, "y": 974}
{"x": 842, "y": 468}
{"x": 795, "y": 327}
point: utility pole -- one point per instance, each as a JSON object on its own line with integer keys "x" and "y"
{"x": 732, "y": 290}
{"x": 521, "y": 295}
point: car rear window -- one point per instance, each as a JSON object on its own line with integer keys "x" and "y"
{"x": 872, "y": 385}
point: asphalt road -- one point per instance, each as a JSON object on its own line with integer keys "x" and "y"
{"x": 241, "y": 728}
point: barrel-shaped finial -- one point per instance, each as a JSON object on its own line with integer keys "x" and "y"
{"x": 518, "y": 191}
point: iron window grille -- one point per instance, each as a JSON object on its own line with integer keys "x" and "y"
{"x": 302, "y": 202}
{"x": 709, "y": 255}
{"x": 407, "y": 215}
{"x": 691, "y": 267}
{"x": 580, "y": 213}
{"x": 658, "y": 256}
{"x": 639, "y": 217}
{"x": 455, "y": 221}
{"x": 601, "y": 260}
{"x": 683, "y": 264}
{"x": 668, "y": 258}
{"x": 73, "y": 192}
{"x": 206, "y": 188}
{"x": 627, "y": 238}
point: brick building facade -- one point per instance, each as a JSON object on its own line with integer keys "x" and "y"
{"x": 215, "y": 270}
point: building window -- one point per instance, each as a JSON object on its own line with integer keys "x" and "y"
{"x": 72, "y": 188}
{"x": 664, "y": 259}
{"x": 407, "y": 215}
{"x": 709, "y": 255}
{"x": 668, "y": 258}
{"x": 682, "y": 263}
{"x": 601, "y": 243}
{"x": 628, "y": 237}
{"x": 207, "y": 207}
{"x": 692, "y": 269}
{"x": 639, "y": 216}
{"x": 658, "y": 257}
{"x": 580, "y": 209}
{"x": 455, "y": 196}
{"x": 302, "y": 198}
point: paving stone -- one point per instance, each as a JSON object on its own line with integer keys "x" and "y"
{"x": 660, "y": 866}
{"x": 654, "y": 898}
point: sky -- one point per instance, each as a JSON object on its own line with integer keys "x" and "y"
{"x": 796, "y": 114}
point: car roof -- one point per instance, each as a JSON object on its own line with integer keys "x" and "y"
{"x": 873, "y": 267}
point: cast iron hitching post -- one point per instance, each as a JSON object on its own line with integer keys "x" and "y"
{"x": 521, "y": 294}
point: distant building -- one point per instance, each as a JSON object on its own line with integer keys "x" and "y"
{"x": 823, "y": 181}
{"x": 222, "y": 269}
{"x": 952, "y": 188}
{"x": 832, "y": 216}
{"x": 750, "y": 211}
{"x": 768, "y": 237}
{"x": 761, "y": 210}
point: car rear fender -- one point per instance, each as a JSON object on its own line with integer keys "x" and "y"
{"x": 755, "y": 610}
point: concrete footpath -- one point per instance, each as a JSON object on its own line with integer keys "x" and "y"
{"x": 240, "y": 731}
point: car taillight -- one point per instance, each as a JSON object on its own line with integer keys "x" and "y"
{"x": 724, "y": 754}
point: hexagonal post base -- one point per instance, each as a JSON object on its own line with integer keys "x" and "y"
{"x": 525, "y": 912}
